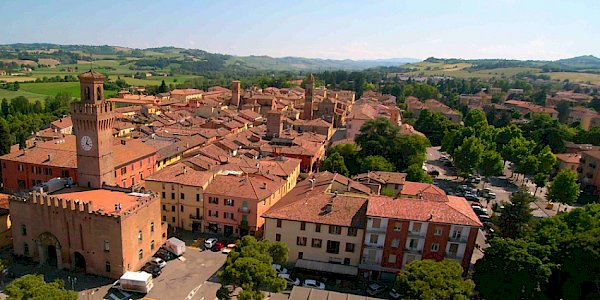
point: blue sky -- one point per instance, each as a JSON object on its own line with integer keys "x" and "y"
{"x": 327, "y": 29}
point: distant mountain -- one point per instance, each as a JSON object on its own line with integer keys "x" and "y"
{"x": 193, "y": 60}
{"x": 585, "y": 61}
{"x": 579, "y": 63}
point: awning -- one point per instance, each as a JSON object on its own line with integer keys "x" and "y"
{"x": 326, "y": 267}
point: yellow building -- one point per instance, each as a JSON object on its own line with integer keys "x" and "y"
{"x": 322, "y": 222}
{"x": 5, "y": 224}
{"x": 181, "y": 191}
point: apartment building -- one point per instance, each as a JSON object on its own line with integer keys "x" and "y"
{"x": 589, "y": 171}
{"x": 402, "y": 230}
{"x": 322, "y": 222}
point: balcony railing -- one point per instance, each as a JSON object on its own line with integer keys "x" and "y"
{"x": 413, "y": 250}
{"x": 459, "y": 239}
{"x": 453, "y": 255}
{"x": 416, "y": 234}
{"x": 244, "y": 210}
{"x": 195, "y": 217}
{"x": 373, "y": 245}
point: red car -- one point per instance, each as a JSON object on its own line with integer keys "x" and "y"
{"x": 218, "y": 246}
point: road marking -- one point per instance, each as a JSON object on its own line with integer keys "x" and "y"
{"x": 193, "y": 292}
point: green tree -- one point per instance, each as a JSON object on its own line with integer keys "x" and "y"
{"x": 350, "y": 154}
{"x": 376, "y": 163}
{"x": 468, "y": 155}
{"x": 564, "y": 109}
{"x": 434, "y": 126}
{"x": 491, "y": 164}
{"x": 428, "y": 279}
{"x": 513, "y": 269}
{"x": 540, "y": 180}
{"x": 376, "y": 136}
{"x": 516, "y": 149}
{"x": 6, "y": 138}
{"x": 595, "y": 104}
{"x": 546, "y": 160}
{"x": 515, "y": 218}
{"x": 248, "y": 266}
{"x": 539, "y": 98}
{"x": 335, "y": 163}
{"x": 527, "y": 165}
{"x": 564, "y": 188}
{"x": 35, "y": 287}
{"x": 408, "y": 150}
{"x": 475, "y": 118}
{"x": 417, "y": 174}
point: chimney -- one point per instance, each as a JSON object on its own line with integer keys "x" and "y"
{"x": 184, "y": 170}
{"x": 49, "y": 156}
{"x": 123, "y": 142}
{"x": 264, "y": 186}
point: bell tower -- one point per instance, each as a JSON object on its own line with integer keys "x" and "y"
{"x": 309, "y": 90}
{"x": 93, "y": 120}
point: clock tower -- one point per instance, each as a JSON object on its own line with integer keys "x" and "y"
{"x": 93, "y": 120}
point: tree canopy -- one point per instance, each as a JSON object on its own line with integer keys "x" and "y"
{"x": 33, "y": 286}
{"x": 428, "y": 279}
{"x": 564, "y": 188}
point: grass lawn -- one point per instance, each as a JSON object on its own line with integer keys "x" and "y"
{"x": 52, "y": 88}
{"x": 575, "y": 77}
{"x": 12, "y": 94}
{"x": 16, "y": 78}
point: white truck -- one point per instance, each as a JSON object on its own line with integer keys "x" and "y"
{"x": 140, "y": 282}
{"x": 176, "y": 246}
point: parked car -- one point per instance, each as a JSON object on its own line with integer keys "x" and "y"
{"x": 471, "y": 197}
{"x": 394, "y": 294}
{"x": 164, "y": 254}
{"x": 218, "y": 246}
{"x": 480, "y": 211}
{"x": 279, "y": 269}
{"x": 289, "y": 280}
{"x": 152, "y": 269}
{"x": 491, "y": 195}
{"x": 476, "y": 204}
{"x": 485, "y": 218}
{"x": 228, "y": 249}
{"x": 434, "y": 173}
{"x": 158, "y": 262}
{"x": 210, "y": 242}
{"x": 311, "y": 283}
{"x": 375, "y": 289}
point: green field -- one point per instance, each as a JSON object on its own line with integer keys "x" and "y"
{"x": 52, "y": 88}
{"x": 12, "y": 94}
{"x": 576, "y": 77}
{"x": 17, "y": 78}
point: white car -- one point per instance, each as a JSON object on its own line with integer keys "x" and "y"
{"x": 279, "y": 269}
{"x": 394, "y": 294}
{"x": 289, "y": 279}
{"x": 228, "y": 249}
{"x": 158, "y": 262}
{"x": 311, "y": 283}
{"x": 375, "y": 289}
{"x": 209, "y": 243}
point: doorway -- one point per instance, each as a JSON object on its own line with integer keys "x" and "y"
{"x": 227, "y": 230}
{"x": 195, "y": 226}
{"x": 51, "y": 258}
{"x": 79, "y": 261}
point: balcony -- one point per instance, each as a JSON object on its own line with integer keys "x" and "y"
{"x": 413, "y": 250}
{"x": 373, "y": 245}
{"x": 454, "y": 255}
{"x": 416, "y": 234}
{"x": 379, "y": 229}
{"x": 195, "y": 217}
{"x": 244, "y": 210}
{"x": 458, "y": 239}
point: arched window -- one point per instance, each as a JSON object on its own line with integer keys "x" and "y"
{"x": 141, "y": 254}
{"x": 99, "y": 94}
{"x": 107, "y": 266}
{"x": 26, "y": 249}
{"x": 152, "y": 227}
{"x": 140, "y": 235}
{"x": 87, "y": 93}
{"x": 152, "y": 245}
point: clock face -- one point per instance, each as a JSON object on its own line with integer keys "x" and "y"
{"x": 86, "y": 143}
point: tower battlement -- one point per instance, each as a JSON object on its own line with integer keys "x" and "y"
{"x": 86, "y": 108}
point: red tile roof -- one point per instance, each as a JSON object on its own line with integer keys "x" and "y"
{"x": 181, "y": 174}
{"x": 454, "y": 211}
{"x": 247, "y": 186}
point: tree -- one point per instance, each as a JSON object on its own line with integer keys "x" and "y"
{"x": 350, "y": 154}
{"x": 428, "y": 279}
{"x": 417, "y": 174}
{"x": 376, "y": 136}
{"x": 335, "y": 163}
{"x": 515, "y": 218}
{"x": 513, "y": 269}
{"x": 475, "y": 118}
{"x": 35, "y": 287}
{"x": 539, "y": 98}
{"x": 491, "y": 164}
{"x": 546, "y": 160}
{"x": 163, "y": 87}
{"x": 249, "y": 266}
{"x": 595, "y": 104}
{"x": 527, "y": 165}
{"x": 434, "y": 126}
{"x": 468, "y": 155}
{"x": 564, "y": 188}
{"x": 564, "y": 109}
{"x": 376, "y": 163}
{"x": 6, "y": 138}
{"x": 408, "y": 150}
{"x": 516, "y": 149}
{"x": 540, "y": 180}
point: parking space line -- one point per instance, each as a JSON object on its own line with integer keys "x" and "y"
{"x": 193, "y": 292}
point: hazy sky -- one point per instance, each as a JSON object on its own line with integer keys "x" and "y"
{"x": 543, "y": 29}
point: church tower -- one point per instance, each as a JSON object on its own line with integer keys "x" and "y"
{"x": 93, "y": 120}
{"x": 309, "y": 90}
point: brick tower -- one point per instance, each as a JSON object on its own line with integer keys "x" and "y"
{"x": 235, "y": 93}
{"x": 309, "y": 90}
{"x": 274, "y": 123}
{"x": 93, "y": 121}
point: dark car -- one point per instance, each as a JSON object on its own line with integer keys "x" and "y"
{"x": 485, "y": 218}
{"x": 434, "y": 173}
{"x": 152, "y": 269}
{"x": 165, "y": 254}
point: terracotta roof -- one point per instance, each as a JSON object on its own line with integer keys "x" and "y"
{"x": 248, "y": 186}
{"x": 4, "y": 207}
{"x": 91, "y": 75}
{"x": 63, "y": 123}
{"x": 593, "y": 153}
{"x": 186, "y": 92}
{"x": 408, "y": 129}
{"x": 103, "y": 199}
{"x": 423, "y": 190}
{"x": 304, "y": 203}
{"x": 571, "y": 158}
{"x": 384, "y": 177}
{"x": 454, "y": 211}
{"x": 181, "y": 174}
